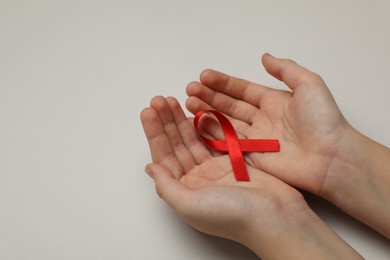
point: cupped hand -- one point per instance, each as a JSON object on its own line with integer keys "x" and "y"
{"x": 201, "y": 186}
{"x": 267, "y": 215}
{"x": 306, "y": 120}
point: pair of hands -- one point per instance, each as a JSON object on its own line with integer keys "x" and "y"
{"x": 200, "y": 185}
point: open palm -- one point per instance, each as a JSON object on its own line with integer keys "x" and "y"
{"x": 306, "y": 121}
{"x": 200, "y": 184}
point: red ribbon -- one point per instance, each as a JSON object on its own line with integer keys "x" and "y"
{"x": 234, "y": 146}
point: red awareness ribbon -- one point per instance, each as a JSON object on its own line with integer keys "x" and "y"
{"x": 234, "y": 146}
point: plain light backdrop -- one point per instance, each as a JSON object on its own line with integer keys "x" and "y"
{"x": 74, "y": 76}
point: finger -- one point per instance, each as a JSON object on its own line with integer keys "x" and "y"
{"x": 170, "y": 189}
{"x": 172, "y": 132}
{"x": 235, "y": 87}
{"x": 228, "y": 105}
{"x": 190, "y": 138}
{"x": 160, "y": 147}
{"x": 206, "y": 134}
{"x": 288, "y": 71}
{"x": 211, "y": 128}
{"x": 195, "y": 104}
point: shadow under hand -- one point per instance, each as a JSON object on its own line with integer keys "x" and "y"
{"x": 228, "y": 249}
{"x": 198, "y": 245}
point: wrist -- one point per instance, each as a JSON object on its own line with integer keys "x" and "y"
{"x": 296, "y": 233}
{"x": 343, "y": 163}
{"x": 358, "y": 179}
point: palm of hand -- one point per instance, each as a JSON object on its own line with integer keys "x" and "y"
{"x": 306, "y": 121}
{"x": 215, "y": 193}
{"x": 174, "y": 143}
{"x": 308, "y": 130}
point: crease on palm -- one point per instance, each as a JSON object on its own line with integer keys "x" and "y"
{"x": 306, "y": 121}
{"x": 174, "y": 144}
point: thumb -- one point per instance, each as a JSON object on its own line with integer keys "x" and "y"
{"x": 288, "y": 71}
{"x": 170, "y": 189}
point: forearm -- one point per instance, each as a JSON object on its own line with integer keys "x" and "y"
{"x": 359, "y": 181}
{"x": 299, "y": 236}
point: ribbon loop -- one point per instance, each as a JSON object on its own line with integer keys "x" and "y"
{"x": 234, "y": 146}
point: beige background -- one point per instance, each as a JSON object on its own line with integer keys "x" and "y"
{"x": 74, "y": 76}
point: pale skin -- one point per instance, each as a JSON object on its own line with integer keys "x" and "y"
{"x": 320, "y": 151}
{"x": 266, "y": 214}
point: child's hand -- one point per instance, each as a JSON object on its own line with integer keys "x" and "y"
{"x": 320, "y": 151}
{"x": 265, "y": 214}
